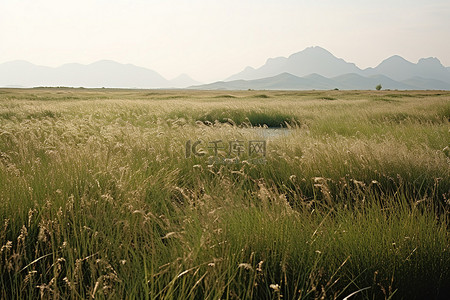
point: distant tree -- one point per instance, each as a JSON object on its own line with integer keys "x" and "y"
{"x": 378, "y": 87}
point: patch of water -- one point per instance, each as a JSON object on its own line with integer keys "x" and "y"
{"x": 269, "y": 133}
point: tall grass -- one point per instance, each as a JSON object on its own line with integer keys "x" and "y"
{"x": 99, "y": 201}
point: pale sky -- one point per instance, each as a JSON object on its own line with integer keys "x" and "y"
{"x": 211, "y": 40}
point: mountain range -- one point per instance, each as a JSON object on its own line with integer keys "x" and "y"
{"x": 316, "y": 68}
{"x": 312, "y": 68}
{"x": 104, "y": 73}
{"x": 320, "y": 61}
{"x": 350, "y": 81}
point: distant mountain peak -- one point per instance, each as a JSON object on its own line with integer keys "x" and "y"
{"x": 314, "y": 51}
{"x": 430, "y": 61}
{"x": 106, "y": 62}
{"x": 395, "y": 59}
{"x": 18, "y": 62}
{"x": 315, "y": 48}
{"x": 314, "y": 76}
{"x": 183, "y": 80}
{"x": 285, "y": 75}
{"x": 396, "y": 56}
{"x": 310, "y": 60}
{"x": 102, "y": 73}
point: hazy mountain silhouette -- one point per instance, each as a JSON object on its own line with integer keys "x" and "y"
{"x": 351, "y": 81}
{"x": 427, "y": 73}
{"x": 104, "y": 73}
{"x": 312, "y": 68}
{"x": 394, "y": 66}
{"x": 311, "y": 60}
{"x": 427, "y": 84}
{"x": 284, "y": 81}
{"x": 357, "y": 82}
{"x": 398, "y": 68}
{"x": 183, "y": 80}
{"x": 22, "y": 74}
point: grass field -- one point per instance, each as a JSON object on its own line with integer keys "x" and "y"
{"x": 104, "y": 195}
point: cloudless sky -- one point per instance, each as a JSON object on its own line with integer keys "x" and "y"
{"x": 211, "y": 40}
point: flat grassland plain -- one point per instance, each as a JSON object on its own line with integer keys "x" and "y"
{"x": 112, "y": 194}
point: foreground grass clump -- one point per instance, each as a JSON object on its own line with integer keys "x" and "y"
{"x": 248, "y": 118}
{"x": 99, "y": 201}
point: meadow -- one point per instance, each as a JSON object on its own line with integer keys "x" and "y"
{"x": 103, "y": 194}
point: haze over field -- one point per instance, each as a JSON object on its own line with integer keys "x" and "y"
{"x": 210, "y": 41}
